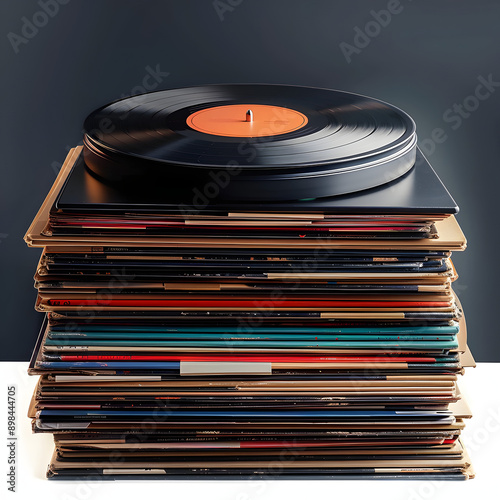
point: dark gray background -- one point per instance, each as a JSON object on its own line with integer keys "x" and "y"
{"x": 426, "y": 59}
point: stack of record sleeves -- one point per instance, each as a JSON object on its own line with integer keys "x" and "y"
{"x": 237, "y": 334}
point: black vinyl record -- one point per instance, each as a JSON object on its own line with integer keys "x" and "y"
{"x": 251, "y": 142}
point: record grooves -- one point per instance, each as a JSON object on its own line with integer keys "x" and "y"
{"x": 344, "y": 142}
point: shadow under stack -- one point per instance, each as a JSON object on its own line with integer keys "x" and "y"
{"x": 249, "y": 281}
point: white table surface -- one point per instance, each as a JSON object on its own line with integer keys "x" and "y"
{"x": 480, "y": 385}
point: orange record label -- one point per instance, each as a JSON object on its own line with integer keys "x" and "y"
{"x": 246, "y": 120}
